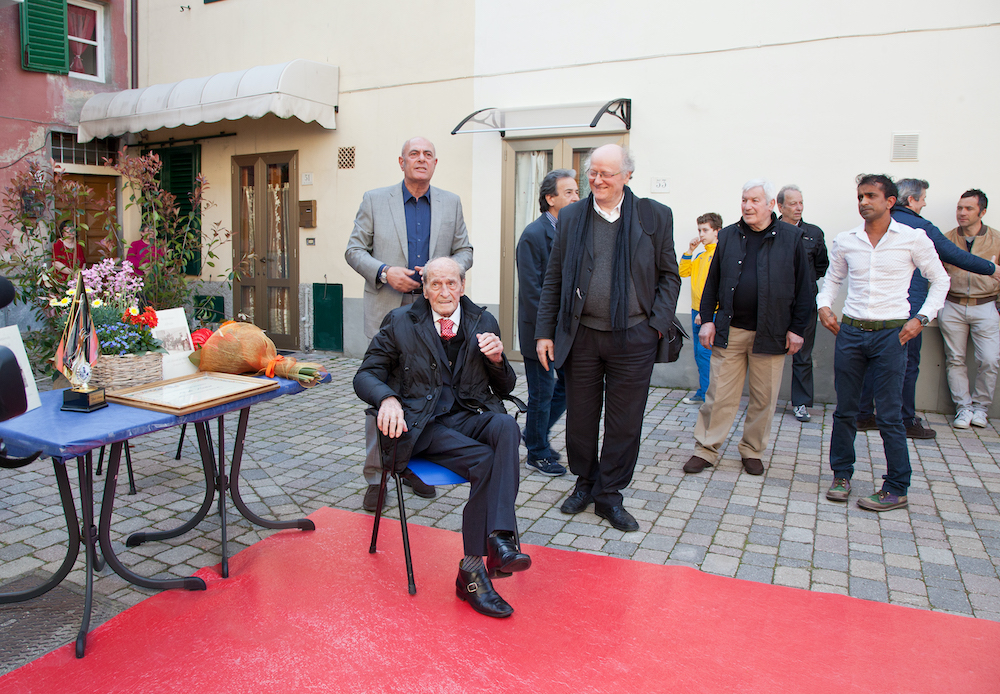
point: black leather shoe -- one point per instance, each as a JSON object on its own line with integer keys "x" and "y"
{"x": 476, "y": 589}
{"x": 503, "y": 556}
{"x": 419, "y": 487}
{"x": 619, "y": 518}
{"x": 576, "y": 502}
{"x": 371, "y": 498}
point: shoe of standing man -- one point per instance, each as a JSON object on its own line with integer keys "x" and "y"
{"x": 978, "y": 418}
{"x": 963, "y": 418}
{"x": 916, "y": 430}
{"x": 801, "y": 413}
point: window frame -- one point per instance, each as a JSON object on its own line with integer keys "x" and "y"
{"x": 99, "y": 43}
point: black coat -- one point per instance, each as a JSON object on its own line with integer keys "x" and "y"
{"x": 654, "y": 275}
{"x": 405, "y": 358}
{"x": 785, "y": 288}
{"x": 533, "y": 250}
{"x": 815, "y": 243}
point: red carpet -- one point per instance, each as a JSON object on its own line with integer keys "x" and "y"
{"x": 306, "y": 612}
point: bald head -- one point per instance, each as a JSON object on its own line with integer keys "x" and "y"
{"x": 418, "y": 161}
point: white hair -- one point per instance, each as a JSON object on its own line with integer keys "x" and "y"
{"x": 760, "y": 183}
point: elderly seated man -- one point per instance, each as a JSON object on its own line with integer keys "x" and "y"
{"x": 435, "y": 371}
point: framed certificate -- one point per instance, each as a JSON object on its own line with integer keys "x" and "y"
{"x": 187, "y": 394}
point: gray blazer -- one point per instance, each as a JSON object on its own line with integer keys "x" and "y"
{"x": 379, "y": 236}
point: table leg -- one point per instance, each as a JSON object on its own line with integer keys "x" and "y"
{"x": 208, "y": 464}
{"x": 234, "y": 485}
{"x": 72, "y": 550}
{"x": 222, "y": 484}
{"x": 84, "y": 467}
{"x": 107, "y": 506}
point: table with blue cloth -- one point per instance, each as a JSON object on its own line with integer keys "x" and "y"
{"x": 66, "y": 435}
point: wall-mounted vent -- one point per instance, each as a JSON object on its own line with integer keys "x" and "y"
{"x": 905, "y": 146}
{"x": 345, "y": 158}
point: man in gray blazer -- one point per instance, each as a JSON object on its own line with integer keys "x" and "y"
{"x": 397, "y": 230}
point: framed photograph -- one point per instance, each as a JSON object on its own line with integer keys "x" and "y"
{"x": 187, "y": 394}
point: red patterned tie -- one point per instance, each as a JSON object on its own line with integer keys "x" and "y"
{"x": 447, "y": 328}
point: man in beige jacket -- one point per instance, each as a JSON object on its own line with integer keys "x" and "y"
{"x": 971, "y": 309}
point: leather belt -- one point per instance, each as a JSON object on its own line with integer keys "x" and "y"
{"x": 871, "y": 325}
{"x": 969, "y": 301}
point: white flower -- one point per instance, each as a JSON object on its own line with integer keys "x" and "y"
{"x": 96, "y": 303}
{"x": 133, "y": 310}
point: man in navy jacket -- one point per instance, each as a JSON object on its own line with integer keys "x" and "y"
{"x": 546, "y": 389}
{"x": 913, "y": 194}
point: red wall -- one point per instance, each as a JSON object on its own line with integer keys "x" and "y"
{"x": 33, "y": 103}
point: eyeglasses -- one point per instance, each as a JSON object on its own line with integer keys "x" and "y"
{"x": 600, "y": 174}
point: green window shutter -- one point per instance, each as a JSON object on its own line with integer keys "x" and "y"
{"x": 181, "y": 166}
{"x": 44, "y": 41}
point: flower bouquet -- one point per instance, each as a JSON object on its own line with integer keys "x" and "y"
{"x": 239, "y": 348}
{"x": 130, "y": 355}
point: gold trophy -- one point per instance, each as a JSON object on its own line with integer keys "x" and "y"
{"x": 78, "y": 350}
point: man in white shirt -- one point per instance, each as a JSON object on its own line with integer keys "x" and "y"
{"x": 878, "y": 259}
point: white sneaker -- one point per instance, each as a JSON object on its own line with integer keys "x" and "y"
{"x": 801, "y": 413}
{"x": 962, "y": 419}
{"x": 979, "y": 418}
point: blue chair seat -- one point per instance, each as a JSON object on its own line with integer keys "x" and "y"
{"x": 434, "y": 474}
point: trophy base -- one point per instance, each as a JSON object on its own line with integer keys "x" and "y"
{"x": 83, "y": 400}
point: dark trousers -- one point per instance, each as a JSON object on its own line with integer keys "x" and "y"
{"x": 482, "y": 447}
{"x": 598, "y": 369}
{"x": 802, "y": 366}
{"x": 546, "y": 404}
{"x": 879, "y": 354}
{"x": 909, "y": 406}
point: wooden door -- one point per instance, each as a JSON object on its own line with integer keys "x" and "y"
{"x": 266, "y": 224}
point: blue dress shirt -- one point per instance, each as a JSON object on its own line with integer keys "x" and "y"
{"x": 418, "y": 229}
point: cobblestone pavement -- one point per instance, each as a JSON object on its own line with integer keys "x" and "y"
{"x": 305, "y": 451}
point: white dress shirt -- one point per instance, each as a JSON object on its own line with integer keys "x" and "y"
{"x": 614, "y": 214}
{"x": 879, "y": 276}
{"x": 455, "y": 318}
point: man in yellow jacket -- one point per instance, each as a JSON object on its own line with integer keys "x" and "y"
{"x": 697, "y": 269}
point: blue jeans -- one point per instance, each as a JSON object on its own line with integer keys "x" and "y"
{"x": 879, "y": 354}
{"x": 702, "y": 357}
{"x": 909, "y": 410}
{"x": 546, "y": 404}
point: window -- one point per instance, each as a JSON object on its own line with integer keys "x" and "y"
{"x": 66, "y": 150}
{"x": 85, "y": 29}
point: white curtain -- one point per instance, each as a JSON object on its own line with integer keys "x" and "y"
{"x": 529, "y": 170}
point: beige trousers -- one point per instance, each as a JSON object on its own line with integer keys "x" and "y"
{"x": 730, "y": 368}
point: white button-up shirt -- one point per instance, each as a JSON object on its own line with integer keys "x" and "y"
{"x": 455, "y": 318}
{"x": 615, "y": 212}
{"x": 879, "y": 276}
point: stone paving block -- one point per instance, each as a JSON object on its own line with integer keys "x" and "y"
{"x": 720, "y": 564}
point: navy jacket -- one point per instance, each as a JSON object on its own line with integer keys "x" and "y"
{"x": 946, "y": 250}
{"x": 405, "y": 359}
{"x": 533, "y": 250}
{"x": 785, "y": 287}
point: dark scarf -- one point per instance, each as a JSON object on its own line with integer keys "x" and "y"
{"x": 621, "y": 267}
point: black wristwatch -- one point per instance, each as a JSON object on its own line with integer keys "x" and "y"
{"x": 924, "y": 320}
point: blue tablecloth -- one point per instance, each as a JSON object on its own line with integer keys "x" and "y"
{"x": 69, "y": 434}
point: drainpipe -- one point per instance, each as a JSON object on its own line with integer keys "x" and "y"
{"x": 135, "y": 44}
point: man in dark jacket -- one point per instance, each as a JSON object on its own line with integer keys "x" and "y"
{"x": 610, "y": 294}
{"x": 546, "y": 389}
{"x": 757, "y": 299}
{"x": 913, "y": 199}
{"x": 790, "y": 205}
{"x": 435, "y": 372}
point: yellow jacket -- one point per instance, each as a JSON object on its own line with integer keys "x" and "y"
{"x": 697, "y": 269}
